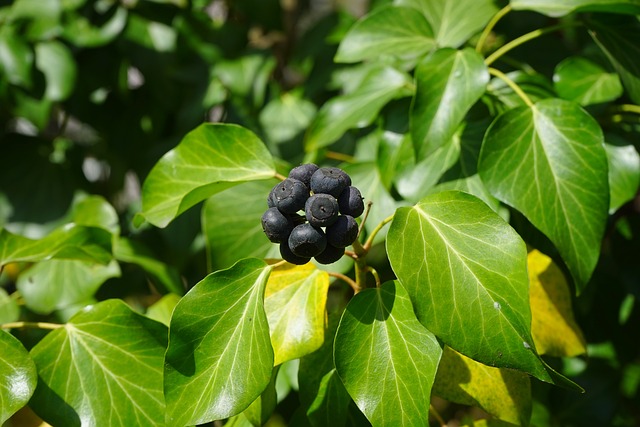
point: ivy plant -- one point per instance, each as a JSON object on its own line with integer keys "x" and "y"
{"x": 494, "y": 276}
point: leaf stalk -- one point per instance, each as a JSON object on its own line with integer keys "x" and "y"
{"x": 34, "y": 325}
{"x": 492, "y": 23}
{"x": 499, "y": 74}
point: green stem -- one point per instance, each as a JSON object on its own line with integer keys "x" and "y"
{"x": 348, "y": 280}
{"x": 364, "y": 218}
{"x": 340, "y": 156}
{"x": 369, "y": 242}
{"x": 525, "y": 38}
{"x": 499, "y": 74}
{"x": 492, "y": 23}
{"x": 375, "y": 275}
{"x": 361, "y": 275}
{"x": 37, "y": 325}
{"x": 628, "y": 108}
{"x": 279, "y": 176}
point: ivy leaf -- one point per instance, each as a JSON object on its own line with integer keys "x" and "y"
{"x": 16, "y": 59}
{"x": 448, "y": 83}
{"x": 556, "y": 9}
{"x": 454, "y": 22}
{"x": 57, "y": 64}
{"x": 259, "y": 412}
{"x": 161, "y": 310}
{"x": 503, "y": 393}
{"x": 624, "y": 172}
{"x": 401, "y": 32}
{"x": 9, "y": 310}
{"x": 386, "y": 359}
{"x": 80, "y": 31}
{"x": 465, "y": 271}
{"x": 219, "y": 348}
{"x": 554, "y": 329}
{"x": 58, "y": 284}
{"x": 18, "y": 376}
{"x": 536, "y": 86}
{"x": 548, "y": 161}
{"x": 95, "y": 211}
{"x": 295, "y": 300}
{"x": 232, "y": 227}
{"x": 70, "y": 241}
{"x": 619, "y": 39}
{"x": 104, "y": 367}
{"x": 286, "y": 116}
{"x": 209, "y": 159}
{"x": 358, "y": 108}
{"x": 585, "y": 82}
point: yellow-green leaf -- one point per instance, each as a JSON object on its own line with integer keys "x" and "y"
{"x": 295, "y": 299}
{"x": 554, "y": 329}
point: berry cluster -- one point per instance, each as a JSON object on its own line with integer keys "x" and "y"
{"x": 330, "y": 204}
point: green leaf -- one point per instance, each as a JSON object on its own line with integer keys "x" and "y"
{"x": 18, "y": 376}
{"x": 219, "y": 348}
{"x": 386, "y": 359}
{"x": 624, "y": 172}
{"x": 232, "y": 226}
{"x": 322, "y": 393}
{"x": 448, "y": 83}
{"x": 561, "y": 8}
{"x": 503, "y": 393}
{"x": 578, "y": 79}
{"x": 358, "y": 108}
{"x": 134, "y": 252}
{"x": 95, "y": 211}
{"x": 161, "y": 310}
{"x": 548, "y": 161}
{"x": 79, "y": 31}
{"x": 536, "y": 86}
{"x": 57, "y": 64}
{"x": 58, "y": 284}
{"x": 454, "y": 21}
{"x": 259, "y": 412}
{"x": 67, "y": 242}
{"x": 286, "y": 116}
{"x": 397, "y": 31}
{"x": 104, "y": 367}
{"x": 209, "y": 159}
{"x": 619, "y": 39}
{"x": 466, "y": 273}
{"x": 35, "y": 9}
{"x": 295, "y": 300}
{"x": 9, "y": 310}
{"x": 16, "y": 59}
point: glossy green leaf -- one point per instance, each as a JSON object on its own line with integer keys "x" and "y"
{"x": 397, "y": 31}
{"x": 57, "y": 284}
{"x": 219, "y": 347}
{"x": 619, "y": 39}
{"x": 57, "y": 64}
{"x": 104, "y": 367}
{"x": 386, "y": 359}
{"x": 95, "y": 211}
{"x": 465, "y": 270}
{"x": 322, "y": 393}
{"x": 161, "y": 310}
{"x": 134, "y": 252}
{"x": 259, "y": 412}
{"x": 578, "y": 79}
{"x": 549, "y": 162}
{"x": 34, "y": 9}
{"x": 503, "y": 393}
{"x": 232, "y": 227}
{"x": 80, "y": 31}
{"x": 448, "y": 83}
{"x": 286, "y": 116}
{"x": 209, "y": 159}
{"x": 9, "y": 310}
{"x": 454, "y": 21}
{"x": 624, "y": 173}
{"x": 295, "y": 300}
{"x": 358, "y": 108}
{"x": 16, "y": 59}
{"x": 18, "y": 376}
{"x": 67, "y": 242}
{"x": 560, "y": 8}
{"x": 472, "y": 185}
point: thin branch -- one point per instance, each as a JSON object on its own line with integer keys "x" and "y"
{"x": 437, "y": 416}
{"x": 375, "y": 275}
{"x": 364, "y": 218}
{"x": 499, "y": 74}
{"x": 279, "y": 264}
{"x": 36, "y": 325}
{"x": 492, "y": 23}
{"x": 280, "y": 176}
{"x": 340, "y": 156}
{"x": 348, "y": 280}
{"x": 369, "y": 242}
{"x": 627, "y": 108}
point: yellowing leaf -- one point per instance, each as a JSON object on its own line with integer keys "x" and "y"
{"x": 503, "y": 393}
{"x": 555, "y": 331}
{"x": 295, "y": 300}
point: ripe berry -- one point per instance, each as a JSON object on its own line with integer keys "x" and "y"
{"x": 306, "y": 240}
{"x": 276, "y": 225}
{"x": 350, "y": 202}
{"x": 303, "y": 173}
{"x": 329, "y": 181}
{"x": 289, "y": 256}
{"x": 343, "y": 232}
{"x": 290, "y": 195}
{"x": 321, "y": 210}
{"x": 330, "y": 255}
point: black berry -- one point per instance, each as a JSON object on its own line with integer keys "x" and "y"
{"x": 303, "y": 173}
{"x": 306, "y": 240}
{"x": 350, "y": 202}
{"x": 290, "y": 195}
{"x": 289, "y": 256}
{"x": 321, "y": 210}
{"x": 343, "y": 232}
{"x": 329, "y": 181}
{"x": 330, "y": 255}
{"x": 276, "y": 225}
